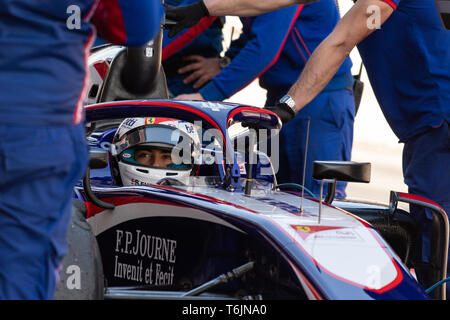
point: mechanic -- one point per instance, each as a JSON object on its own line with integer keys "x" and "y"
{"x": 405, "y": 49}
{"x": 43, "y": 152}
{"x": 275, "y": 47}
{"x": 155, "y": 151}
{"x": 180, "y": 51}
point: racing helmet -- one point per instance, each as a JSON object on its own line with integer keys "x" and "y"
{"x": 155, "y": 151}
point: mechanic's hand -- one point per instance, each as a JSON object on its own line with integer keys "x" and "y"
{"x": 203, "y": 69}
{"x": 283, "y": 111}
{"x": 185, "y": 16}
{"x": 189, "y": 96}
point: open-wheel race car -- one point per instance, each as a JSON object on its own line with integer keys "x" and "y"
{"x": 228, "y": 230}
{"x": 261, "y": 240}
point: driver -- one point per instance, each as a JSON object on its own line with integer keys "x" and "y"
{"x": 155, "y": 151}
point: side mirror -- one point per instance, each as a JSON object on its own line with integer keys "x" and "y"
{"x": 332, "y": 171}
{"x": 98, "y": 159}
{"x": 342, "y": 170}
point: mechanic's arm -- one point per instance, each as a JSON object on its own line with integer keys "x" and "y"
{"x": 190, "y": 15}
{"x": 246, "y": 8}
{"x": 268, "y": 33}
{"x": 330, "y": 54}
{"x": 172, "y": 45}
{"x": 131, "y": 22}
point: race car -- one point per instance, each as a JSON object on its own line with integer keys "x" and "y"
{"x": 170, "y": 239}
{"x": 227, "y": 230}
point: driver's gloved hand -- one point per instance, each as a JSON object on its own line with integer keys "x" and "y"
{"x": 185, "y": 16}
{"x": 283, "y": 111}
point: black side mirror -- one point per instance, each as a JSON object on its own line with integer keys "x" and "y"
{"x": 98, "y": 159}
{"x": 332, "y": 171}
{"x": 342, "y": 170}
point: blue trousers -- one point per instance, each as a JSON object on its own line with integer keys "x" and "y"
{"x": 38, "y": 170}
{"x": 331, "y": 116}
{"x": 177, "y": 87}
{"x": 426, "y": 171}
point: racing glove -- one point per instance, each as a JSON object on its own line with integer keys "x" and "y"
{"x": 185, "y": 16}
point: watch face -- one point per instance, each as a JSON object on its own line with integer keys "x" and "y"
{"x": 286, "y": 99}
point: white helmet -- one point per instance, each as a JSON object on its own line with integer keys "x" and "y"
{"x": 155, "y": 150}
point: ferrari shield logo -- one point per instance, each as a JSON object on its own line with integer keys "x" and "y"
{"x": 149, "y": 120}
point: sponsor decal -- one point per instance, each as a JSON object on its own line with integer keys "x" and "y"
{"x": 213, "y": 106}
{"x": 189, "y": 128}
{"x": 303, "y": 228}
{"x": 159, "y": 120}
{"x": 149, "y": 120}
{"x": 284, "y": 206}
{"x": 144, "y": 258}
{"x": 130, "y": 122}
{"x": 242, "y": 167}
{"x": 136, "y": 182}
{"x": 326, "y": 233}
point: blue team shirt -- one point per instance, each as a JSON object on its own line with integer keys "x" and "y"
{"x": 44, "y": 49}
{"x": 408, "y": 64}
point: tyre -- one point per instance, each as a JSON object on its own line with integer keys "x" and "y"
{"x": 81, "y": 277}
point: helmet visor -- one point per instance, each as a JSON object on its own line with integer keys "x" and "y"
{"x": 154, "y": 135}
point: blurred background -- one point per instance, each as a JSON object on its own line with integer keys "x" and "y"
{"x": 373, "y": 141}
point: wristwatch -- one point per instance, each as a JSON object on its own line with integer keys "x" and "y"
{"x": 287, "y": 99}
{"x": 224, "y": 61}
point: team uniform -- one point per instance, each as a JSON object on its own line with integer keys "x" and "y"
{"x": 408, "y": 64}
{"x": 43, "y": 152}
{"x": 207, "y": 44}
{"x": 275, "y": 47}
